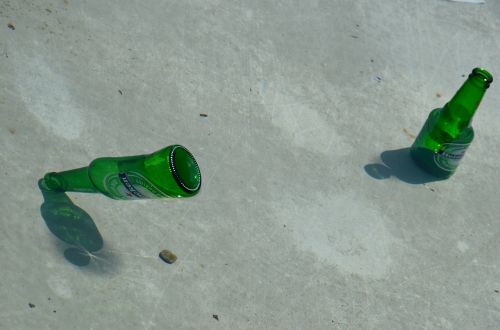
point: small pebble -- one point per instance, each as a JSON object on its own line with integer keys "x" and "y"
{"x": 215, "y": 316}
{"x": 410, "y": 135}
{"x": 438, "y": 95}
{"x": 203, "y": 115}
{"x": 168, "y": 256}
{"x": 31, "y": 305}
{"x": 11, "y": 26}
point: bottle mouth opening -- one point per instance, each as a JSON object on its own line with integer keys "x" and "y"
{"x": 484, "y": 75}
{"x": 185, "y": 169}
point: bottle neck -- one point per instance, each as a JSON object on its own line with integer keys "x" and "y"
{"x": 51, "y": 195}
{"x": 76, "y": 180}
{"x": 462, "y": 107}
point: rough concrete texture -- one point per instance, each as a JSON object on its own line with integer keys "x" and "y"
{"x": 291, "y": 229}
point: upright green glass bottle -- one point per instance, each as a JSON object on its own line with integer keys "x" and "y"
{"x": 447, "y": 133}
{"x": 169, "y": 172}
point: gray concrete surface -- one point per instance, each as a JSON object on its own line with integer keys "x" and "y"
{"x": 290, "y": 231}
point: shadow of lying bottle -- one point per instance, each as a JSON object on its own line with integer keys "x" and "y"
{"x": 398, "y": 163}
{"x": 70, "y": 224}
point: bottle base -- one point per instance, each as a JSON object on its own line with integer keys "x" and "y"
{"x": 424, "y": 159}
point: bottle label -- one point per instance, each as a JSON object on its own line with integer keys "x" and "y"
{"x": 450, "y": 154}
{"x": 131, "y": 185}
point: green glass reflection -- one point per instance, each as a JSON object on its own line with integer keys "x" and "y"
{"x": 70, "y": 223}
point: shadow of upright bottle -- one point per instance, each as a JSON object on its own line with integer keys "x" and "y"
{"x": 169, "y": 172}
{"x": 398, "y": 164}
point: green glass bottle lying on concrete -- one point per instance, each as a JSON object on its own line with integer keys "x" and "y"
{"x": 169, "y": 172}
{"x": 447, "y": 133}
